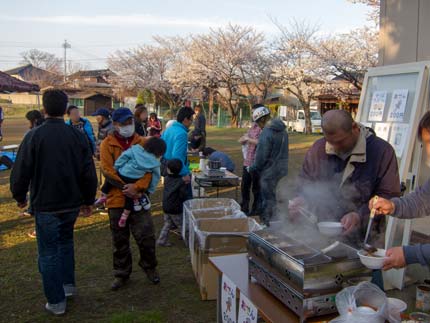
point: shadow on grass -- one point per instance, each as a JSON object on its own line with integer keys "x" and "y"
{"x": 176, "y": 299}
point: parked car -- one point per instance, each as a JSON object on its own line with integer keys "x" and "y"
{"x": 299, "y": 125}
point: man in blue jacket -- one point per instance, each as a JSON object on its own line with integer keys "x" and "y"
{"x": 81, "y": 124}
{"x": 176, "y": 138}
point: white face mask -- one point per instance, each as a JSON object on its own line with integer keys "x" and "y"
{"x": 126, "y": 131}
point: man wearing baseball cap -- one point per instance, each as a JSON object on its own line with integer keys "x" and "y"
{"x": 139, "y": 223}
{"x": 105, "y": 124}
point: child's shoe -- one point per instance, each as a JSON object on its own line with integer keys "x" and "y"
{"x": 137, "y": 206}
{"x": 123, "y": 220}
{"x": 100, "y": 201}
{"x": 145, "y": 202}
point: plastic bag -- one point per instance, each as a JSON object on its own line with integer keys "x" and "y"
{"x": 363, "y": 303}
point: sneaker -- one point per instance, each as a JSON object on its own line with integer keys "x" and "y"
{"x": 70, "y": 290}
{"x": 164, "y": 244}
{"x": 153, "y": 276}
{"x": 118, "y": 283}
{"x": 32, "y": 234}
{"x": 56, "y": 309}
{"x": 145, "y": 202}
{"x": 137, "y": 206}
{"x": 100, "y": 201}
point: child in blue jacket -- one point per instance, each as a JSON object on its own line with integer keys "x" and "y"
{"x": 132, "y": 165}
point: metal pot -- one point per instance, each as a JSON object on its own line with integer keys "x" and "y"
{"x": 214, "y": 164}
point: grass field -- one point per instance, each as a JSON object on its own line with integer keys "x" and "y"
{"x": 176, "y": 299}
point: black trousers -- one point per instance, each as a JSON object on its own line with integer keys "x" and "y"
{"x": 140, "y": 225}
{"x": 250, "y": 182}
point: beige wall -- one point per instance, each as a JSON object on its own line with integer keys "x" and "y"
{"x": 22, "y": 98}
{"x": 405, "y": 31}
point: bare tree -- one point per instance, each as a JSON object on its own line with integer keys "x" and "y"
{"x": 219, "y": 58}
{"x": 300, "y": 71}
{"x": 348, "y": 56}
{"x": 150, "y": 67}
{"x": 43, "y": 60}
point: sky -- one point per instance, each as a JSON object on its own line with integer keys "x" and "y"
{"x": 97, "y": 28}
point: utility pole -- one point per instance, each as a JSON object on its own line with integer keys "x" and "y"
{"x": 66, "y": 45}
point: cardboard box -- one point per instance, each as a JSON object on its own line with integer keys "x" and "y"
{"x": 206, "y": 208}
{"x": 217, "y": 237}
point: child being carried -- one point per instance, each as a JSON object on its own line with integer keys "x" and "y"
{"x": 132, "y": 165}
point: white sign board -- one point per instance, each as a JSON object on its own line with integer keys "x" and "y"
{"x": 228, "y": 300}
{"x": 248, "y": 313}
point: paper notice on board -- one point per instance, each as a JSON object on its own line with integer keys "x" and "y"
{"x": 228, "y": 300}
{"x": 377, "y": 106}
{"x": 247, "y": 311}
{"x": 398, "y": 105}
{"x": 382, "y": 130}
{"x": 399, "y": 132}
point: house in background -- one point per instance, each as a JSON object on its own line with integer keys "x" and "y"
{"x": 35, "y": 75}
{"x": 91, "y": 78}
{"x": 89, "y": 102}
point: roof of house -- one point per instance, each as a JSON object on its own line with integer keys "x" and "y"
{"x": 85, "y": 95}
{"x": 12, "y": 84}
{"x": 92, "y": 73}
{"x": 25, "y": 69}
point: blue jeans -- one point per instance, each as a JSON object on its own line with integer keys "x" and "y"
{"x": 56, "y": 257}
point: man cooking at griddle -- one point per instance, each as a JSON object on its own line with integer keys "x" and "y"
{"x": 341, "y": 172}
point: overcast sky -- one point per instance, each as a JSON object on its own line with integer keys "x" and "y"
{"x": 97, "y": 28}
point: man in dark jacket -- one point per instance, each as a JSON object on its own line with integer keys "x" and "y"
{"x": 55, "y": 161}
{"x": 271, "y": 159}
{"x": 175, "y": 193}
{"x": 342, "y": 171}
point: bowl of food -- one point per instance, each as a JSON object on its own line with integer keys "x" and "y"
{"x": 372, "y": 260}
{"x": 396, "y": 305}
{"x": 330, "y": 229}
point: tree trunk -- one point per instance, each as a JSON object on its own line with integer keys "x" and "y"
{"x": 234, "y": 118}
{"x": 308, "y": 123}
{"x": 211, "y": 106}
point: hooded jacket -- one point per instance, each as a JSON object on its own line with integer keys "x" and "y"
{"x": 88, "y": 130}
{"x": 175, "y": 193}
{"x": 271, "y": 157}
{"x": 136, "y": 162}
{"x": 176, "y": 138}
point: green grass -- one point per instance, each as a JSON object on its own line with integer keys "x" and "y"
{"x": 176, "y": 299}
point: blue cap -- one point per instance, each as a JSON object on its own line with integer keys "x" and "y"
{"x": 121, "y": 115}
{"x": 102, "y": 112}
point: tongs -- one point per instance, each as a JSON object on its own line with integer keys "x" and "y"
{"x": 369, "y": 248}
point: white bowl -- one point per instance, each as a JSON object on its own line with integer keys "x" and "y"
{"x": 372, "y": 262}
{"x": 365, "y": 310}
{"x": 396, "y": 305}
{"x": 330, "y": 229}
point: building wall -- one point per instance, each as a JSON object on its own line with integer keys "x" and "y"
{"x": 22, "y": 98}
{"x": 404, "y": 33}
